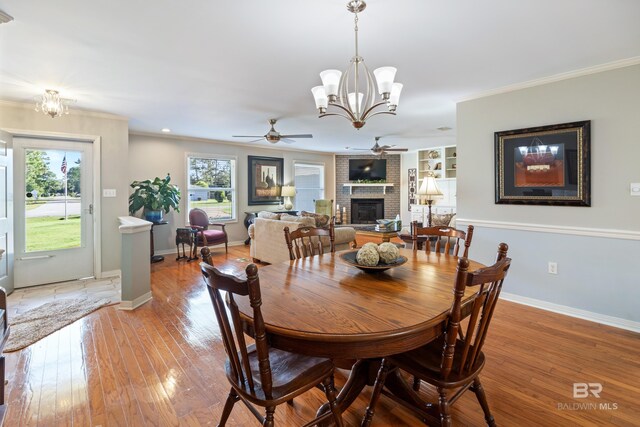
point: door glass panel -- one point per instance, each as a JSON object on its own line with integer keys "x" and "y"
{"x": 52, "y": 200}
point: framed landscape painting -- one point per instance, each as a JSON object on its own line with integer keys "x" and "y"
{"x": 265, "y": 180}
{"x": 545, "y": 165}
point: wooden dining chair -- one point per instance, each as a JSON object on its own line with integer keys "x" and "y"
{"x": 307, "y": 241}
{"x": 453, "y": 362}
{"x": 258, "y": 374}
{"x": 443, "y": 239}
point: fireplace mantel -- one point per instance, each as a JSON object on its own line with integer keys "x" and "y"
{"x": 375, "y": 184}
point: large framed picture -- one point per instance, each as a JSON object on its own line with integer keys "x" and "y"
{"x": 545, "y": 165}
{"x": 265, "y": 180}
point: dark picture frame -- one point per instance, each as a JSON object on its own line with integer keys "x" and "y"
{"x": 265, "y": 180}
{"x": 544, "y": 165}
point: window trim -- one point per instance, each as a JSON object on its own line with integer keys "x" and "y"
{"x": 234, "y": 182}
{"x": 323, "y": 165}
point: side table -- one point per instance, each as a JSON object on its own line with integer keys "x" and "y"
{"x": 154, "y": 257}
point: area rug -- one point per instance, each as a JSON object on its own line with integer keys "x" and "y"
{"x": 37, "y": 323}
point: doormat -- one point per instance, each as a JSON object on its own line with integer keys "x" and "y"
{"x": 37, "y": 323}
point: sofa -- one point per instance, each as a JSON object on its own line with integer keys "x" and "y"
{"x": 267, "y": 236}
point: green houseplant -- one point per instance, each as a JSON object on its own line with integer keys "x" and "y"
{"x": 155, "y": 197}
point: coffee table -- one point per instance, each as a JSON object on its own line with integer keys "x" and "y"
{"x": 371, "y": 231}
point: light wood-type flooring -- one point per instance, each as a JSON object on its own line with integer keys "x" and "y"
{"x": 162, "y": 365}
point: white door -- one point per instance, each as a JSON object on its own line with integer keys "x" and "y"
{"x": 6, "y": 211}
{"x": 53, "y": 211}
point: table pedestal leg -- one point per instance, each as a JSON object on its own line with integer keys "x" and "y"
{"x": 358, "y": 378}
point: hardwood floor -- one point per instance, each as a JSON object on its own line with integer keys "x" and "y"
{"x": 162, "y": 365}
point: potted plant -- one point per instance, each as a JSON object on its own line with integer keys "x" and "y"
{"x": 155, "y": 197}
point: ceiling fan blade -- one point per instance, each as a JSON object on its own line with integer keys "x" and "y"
{"x": 286, "y": 140}
{"x": 358, "y": 149}
{"x": 396, "y": 149}
{"x": 256, "y": 140}
{"x": 304, "y": 135}
{"x": 247, "y": 136}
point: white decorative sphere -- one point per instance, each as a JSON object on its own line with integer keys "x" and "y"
{"x": 388, "y": 252}
{"x": 368, "y": 255}
{"x": 370, "y": 244}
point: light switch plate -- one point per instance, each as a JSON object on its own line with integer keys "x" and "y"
{"x": 635, "y": 188}
{"x": 108, "y": 192}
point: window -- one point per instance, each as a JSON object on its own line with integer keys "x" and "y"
{"x": 212, "y": 186}
{"x": 309, "y": 182}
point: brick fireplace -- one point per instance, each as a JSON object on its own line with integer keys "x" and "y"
{"x": 387, "y": 199}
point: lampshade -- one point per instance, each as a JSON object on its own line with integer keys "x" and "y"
{"x": 288, "y": 191}
{"x": 330, "y": 81}
{"x": 320, "y": 95}
{"x": 384, "y": 77}
{"x": 429, "y": 188}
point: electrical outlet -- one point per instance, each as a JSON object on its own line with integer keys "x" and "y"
{"x": 553, "y": 267}
{"x": 635, "y": 189}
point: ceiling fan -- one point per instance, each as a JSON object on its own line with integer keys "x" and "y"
{"x": 273, "y": 136}
{"x": 378, "y": 149}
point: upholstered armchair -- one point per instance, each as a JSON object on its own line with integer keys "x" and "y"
{"x": 199, "y": 220}
{"x": 324, "y": 206}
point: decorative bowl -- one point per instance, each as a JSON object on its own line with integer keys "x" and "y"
{"x": 350, "y": 259}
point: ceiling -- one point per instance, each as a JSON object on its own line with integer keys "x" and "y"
{"x": 212, "y": 69}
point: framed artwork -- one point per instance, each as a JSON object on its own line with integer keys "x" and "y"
{"x": 265, "y": 180}
{"x": 413, "y": 186}
{"x": 545, "y": 165}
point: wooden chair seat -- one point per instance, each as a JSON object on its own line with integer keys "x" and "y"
{"x": 286, "y": 370}
{"x": 424, "y": 363}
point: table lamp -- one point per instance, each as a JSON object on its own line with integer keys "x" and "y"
{"x": 429, "y": 188}
{"x": 288, "y": 191}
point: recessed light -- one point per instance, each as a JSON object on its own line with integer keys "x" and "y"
{"x": 444, "y": 128}
{"x": 166, "y": 130}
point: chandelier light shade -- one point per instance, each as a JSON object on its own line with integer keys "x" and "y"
{"x": 51, "y": 104}
{"x": 353, "y": 93}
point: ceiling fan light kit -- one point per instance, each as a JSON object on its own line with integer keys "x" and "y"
{"x": 273, "y": 136}
{"x": 352, "y": 93}
{"x": 378, "y": 149}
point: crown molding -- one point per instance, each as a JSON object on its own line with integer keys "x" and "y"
{"x": 72, "y": 112}
{"x": 555, "y": 78}
{"x": 233, "y": 143}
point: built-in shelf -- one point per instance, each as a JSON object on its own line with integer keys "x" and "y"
{"x": 383, "y": 185}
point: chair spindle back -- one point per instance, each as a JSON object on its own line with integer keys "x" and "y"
{"x": 489, "y": 281}
{"x": 445, "y": 239}
{"x": 306, "y": 241}
{"x": 231, "y": 329}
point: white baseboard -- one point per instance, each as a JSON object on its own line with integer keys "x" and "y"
{"x": 132, "y": 305}
{"x": 617, "y": 322}
{"x": 111, "y": 273}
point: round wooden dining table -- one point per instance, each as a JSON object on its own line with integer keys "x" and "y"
{"x": 322, "y": 306}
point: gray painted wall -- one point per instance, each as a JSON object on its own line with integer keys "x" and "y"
{"x": 152, "y": 156}
{"x": 594, "y": 273}
{"x": 114, "y": 133}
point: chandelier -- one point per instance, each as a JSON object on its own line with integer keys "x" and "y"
{"x": 51, "y": 104}
{"x": 353, "y": 92}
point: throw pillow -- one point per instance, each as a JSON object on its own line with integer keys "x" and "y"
{"x": 268, "y": 215}
{"x": 321, "y": 220}
{"x": 303, "y": 220}
{"x": 441, "y": 220}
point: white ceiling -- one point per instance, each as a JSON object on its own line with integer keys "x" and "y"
{"x": 212, "y": 69}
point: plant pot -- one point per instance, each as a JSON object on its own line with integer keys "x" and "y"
{"x": 153, "y": 216}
